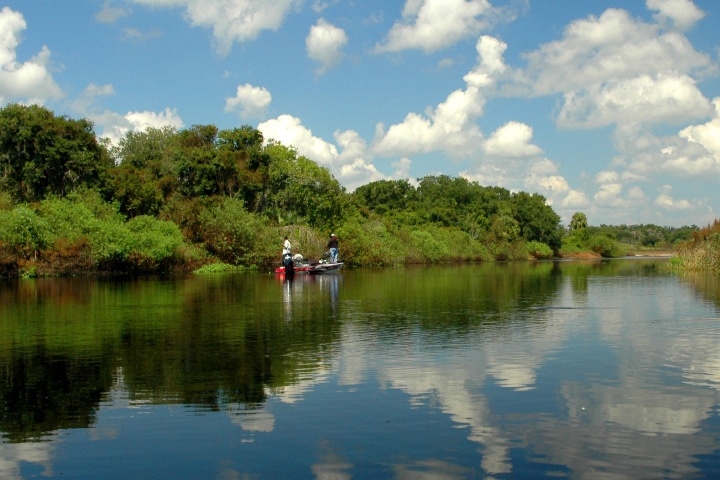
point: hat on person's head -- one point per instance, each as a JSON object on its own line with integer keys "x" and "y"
{"x": 332, "y": 234}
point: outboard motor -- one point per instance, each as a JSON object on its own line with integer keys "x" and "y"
{"x": 289, "y": 264}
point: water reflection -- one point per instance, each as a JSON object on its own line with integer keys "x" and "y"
{"x": 571, "y": 369}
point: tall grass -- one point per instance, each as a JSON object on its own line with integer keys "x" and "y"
{"x": 701, "y": 252}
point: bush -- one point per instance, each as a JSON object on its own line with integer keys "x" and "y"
{"x": 605, "y": 246}
{"x": 539, "y": 250}
{"x": 23, "y": 231}
{"x": 232, "y": 233}
{"x": 369, "y": 242}
{"x": 153, "y": 242}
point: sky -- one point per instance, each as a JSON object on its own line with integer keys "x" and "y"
{"x": 606, "y": 107}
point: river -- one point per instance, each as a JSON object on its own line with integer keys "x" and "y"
{"x": 570, "y": 369}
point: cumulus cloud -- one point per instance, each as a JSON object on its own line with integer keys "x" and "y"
{"x": 249, "y": 101}
{"x": 324, "y": 45}
{"x": 613, "y": 46}
{"x": 610, "y": 195}
{"x": 511, "y": 140}
{"x": 706, "y": 135}
{"x": 450, "y": 126}
{"x": 617, "y": 69}
{"x": 665, "y": 201}
{"x": 115, "y": 126}
{"x": 431, "y": 25}
{"x": 28, "y": 81}
{"x": 350, "y": 165}
{"x": 665, "y": 98}
{"x": 683, "y": 13}
{"x": 573, "y": 201}
{"x": 693, "y": 152}
{"x": 231, "y": 20}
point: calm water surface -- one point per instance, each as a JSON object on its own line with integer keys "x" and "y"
{"x": 598, "y": 369}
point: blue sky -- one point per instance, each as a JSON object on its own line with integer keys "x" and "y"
{"x": 609, "y": 107}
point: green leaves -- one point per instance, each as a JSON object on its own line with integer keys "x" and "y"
{"x": 43, "y": 154}
{"x": 24, "y": 231}
{"x": 231, "y": 232}
{"x": 300, "y": 189}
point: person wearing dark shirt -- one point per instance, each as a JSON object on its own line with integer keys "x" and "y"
{"x": 333, "y": 247}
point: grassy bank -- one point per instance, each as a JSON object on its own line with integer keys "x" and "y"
{"x": 701, "y": 252}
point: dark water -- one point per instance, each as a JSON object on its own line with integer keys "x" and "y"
{"x": 599, "y": 369}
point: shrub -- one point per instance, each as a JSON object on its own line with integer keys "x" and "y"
{"x": 231, "y": 232}
{"x": 369, "y": 242}
{"x": 429, "y": 247}
{"x": 539, "y": 250}
{"x": 23, "y": 231}
{"x": 153, "y": 242}
{"x": 605, "y": 246}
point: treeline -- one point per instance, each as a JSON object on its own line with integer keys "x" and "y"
{"x": 167, "y": 199}
{"x": 647, "y": 235}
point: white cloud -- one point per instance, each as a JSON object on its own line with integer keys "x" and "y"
{"x": 511, "y": 140}
{"x": 249, "y": 101}
{"x": 693, "y": 152}
{"x": 665, "y": 98}
{"x": 612, "y": 47}
{"x": 402, "y": 169}
{"x": 325, "y": 44}
{"x": 350, "y": 166}
{"x": 289, "y": 130}
{"x": 431, "y": 25}
{"x": 231, "y": 20}
{"x": 29, "y": 81}
{"x": 683, "y": 13}
{"x": 110, "y": 14}
{"x": 115, "y": 126}
{"x": 610, "y": 195}
{"x": 450, "y": 127}
{"x": 665, "y": 201}
{"x": 707, "y": 135}
{"x": 617, "y": 69}
{"x": 573, "y": 201}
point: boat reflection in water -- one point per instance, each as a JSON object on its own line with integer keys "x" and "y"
{"x": 598, "y": 369}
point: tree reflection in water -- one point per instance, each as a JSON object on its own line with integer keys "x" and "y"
{"x": 524, "y": 369}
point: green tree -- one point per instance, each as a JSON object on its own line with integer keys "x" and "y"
{"x": 42, "y": 154}
{"x": 301, "y": 190}
{"x": 537, "y": 220}
{"x": 579, "y": 221}
{"x": 145, "y": 175}
{"x": 385, "y": 196}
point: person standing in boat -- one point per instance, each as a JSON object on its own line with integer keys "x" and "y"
{"x": 287, "y": 247}
{"x": 287, "y": 258}
{"x": 333, "y": 247}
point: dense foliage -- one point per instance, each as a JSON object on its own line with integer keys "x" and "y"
{"x": 165, "y": 199}
{"x": 701, "y": 252}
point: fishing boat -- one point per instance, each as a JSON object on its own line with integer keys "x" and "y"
{"x": 298, "y": 264}
{"x": 315, "y": 268}
{"x": 323, "y": 268}
{"x": 298, "y": 268}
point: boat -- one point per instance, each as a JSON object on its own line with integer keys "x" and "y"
{"x": 298, "y": 268}
{"x": 301, "y": 265}
{"x": 315, "y": 268}
{"x": 322, "y": 268}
